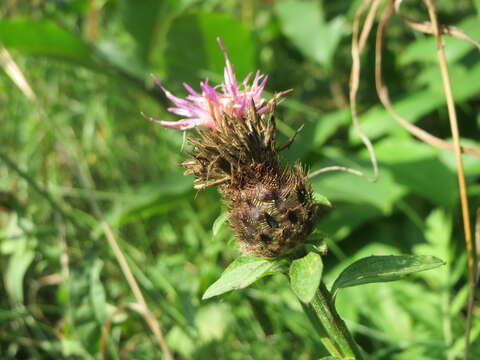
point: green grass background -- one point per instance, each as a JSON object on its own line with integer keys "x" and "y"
{"x": 84, "y": 145}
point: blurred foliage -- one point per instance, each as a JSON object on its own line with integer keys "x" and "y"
{"x": 84, "y": 143}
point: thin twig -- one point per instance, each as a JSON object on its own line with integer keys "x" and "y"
{"x": 477, "y": 246}
{"x": 471, "y": 294}
{"x": 85, "y": 178}
{"x": 335, "y": 168}
{"x": 15, "y": 73}
{"x": 426, "y": 27}
{"x": 452, "y": 115}
{"x": 291, "y": 140}
{"x": 357, "y": 49}
{"x": 150, "y": 319}
{"x": 367, "y": 26}
{"x": 383, "y": 93}
{"x": 355, "y": 78}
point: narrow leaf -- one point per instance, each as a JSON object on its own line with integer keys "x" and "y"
{"x": 305, "y": 276}
{"x": 14, "y": 275}
{"x": 244, "y": 271}
{"x": 383, "y": 268}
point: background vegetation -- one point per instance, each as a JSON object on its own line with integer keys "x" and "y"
{"x": 74, "y": 152}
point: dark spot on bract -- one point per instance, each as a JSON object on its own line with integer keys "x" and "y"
{"x": 265, "y": 238}
{"x": 270, "y": 221}
{"x": 292, "y": 217}
{"x": 224, "y": 165}
{"x": 249, "y": 227}
{"x": 286, "y": 233}
{"x": 301, "y": 193}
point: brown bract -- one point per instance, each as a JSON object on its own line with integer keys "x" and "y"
{"x": 271, "y": 207}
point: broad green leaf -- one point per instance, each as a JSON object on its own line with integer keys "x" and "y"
{"x": 341, "y": 186}
{"x": 44, "y": 38}
{"x": 72, "y": 348}
{"x": 464, "y": 81}
{"x": 383, "y": 268}
{"x": 346, "y": 218}
{"x": 150, "y": 199}
{"x": 244, "y": 271}
{"x": 304, "y": 25}
{"x": 305, "y": 276}
{"x": 329, "y": 124}
{"x": 213, "y": 320}
{"x": 218, "y": 223}
{"x": 192, "y": 48}
{"x": 141, "y": 19}
{"x": 179, "y": 341}
{"x": 404, "y": 156}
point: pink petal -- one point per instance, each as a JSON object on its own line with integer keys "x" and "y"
{"x": 183, "y": 124}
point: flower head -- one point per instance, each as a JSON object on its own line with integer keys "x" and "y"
{"x": 212, "y": 102}
{"x": 271, "y": 206}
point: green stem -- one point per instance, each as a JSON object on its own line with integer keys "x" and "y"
{"x": 332, "y": 329}
{"x": 329, "y": 344}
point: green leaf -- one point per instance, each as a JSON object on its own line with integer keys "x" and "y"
{"x": 192, "y": 49}
{"x": 404, "y": 156}
{"x": 97, "y": 292}
{"x": 305, "y": 276}
{"x": 304, "y": 25}
{"x": 44, "y": 38}
{"x": 18, "y": 265}
{"x": 341, "y": 186}
{"x": 141, "y": 19}
{"x": 21, "y": 251}
{"x": 383, "y": 268}
{"x": 244, "y": 271}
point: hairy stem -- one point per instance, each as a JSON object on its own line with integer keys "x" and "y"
{"x": 332, "y": 329}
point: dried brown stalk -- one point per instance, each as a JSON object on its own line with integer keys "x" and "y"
{"x": 452, "y": 116}
{"x": 426, "y": 27}
{"x": 383, "y": 93}
{"x": 437, "y": 30}
{"x": 151, "y": 320}
{"x": 355, "y": 75}
{"x": 15, "y": 73}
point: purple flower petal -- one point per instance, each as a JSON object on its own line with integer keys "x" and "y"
{"x": 230, "y": 98}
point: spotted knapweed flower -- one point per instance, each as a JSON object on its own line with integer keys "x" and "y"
{"x": 206, "y": 108}
{"x": 271, "y": 207}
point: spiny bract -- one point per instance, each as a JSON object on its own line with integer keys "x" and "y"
{"x": 271, "y": 207}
